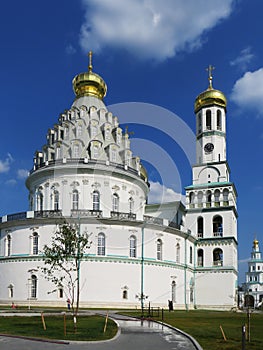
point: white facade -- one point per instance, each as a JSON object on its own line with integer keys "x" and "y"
{"x": 87, "y": 174}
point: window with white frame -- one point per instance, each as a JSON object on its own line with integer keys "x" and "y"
{"x": 66, "y": 133}
{"x": 93, "y": 131}
{"x": 96, "y": 200}
{"x": 115, "y": 202}
{"x": 56, "y": 200}
{"x": 159, "y": 249}
{"x": 58, "y": 152}
{"x": 107, "y": 134}
{"x": 75, "y": 200}
{"x": 101, "y": 244}
{"x": 114, "y": 155}
{"x": 35, "y": 240}
{"x": 118, "y": 138}
{"x": 33, "y": 286}
{"x": 79, "y": 131}
{"x": 133, "y": 246}
{"x": 76, "y": 151}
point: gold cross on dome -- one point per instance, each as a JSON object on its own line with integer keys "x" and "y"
{"x": 90, "y": 61}
{"x": 210, "y": 69}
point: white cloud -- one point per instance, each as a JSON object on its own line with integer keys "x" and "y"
{"x": 148, "y": 28}
{"x": 11, "y": 182}
{"x": 162, "y": 194}
{"x": 70, "y": 49}
{"x": 5, "y": 164}
{"x": 247, "y": 92}
{"x": 22, "y": 173}
{"x": 244, "y": 58}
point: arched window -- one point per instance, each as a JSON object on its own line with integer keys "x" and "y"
{"x": 200, "y": 257}
{"x": 115, "y": 202}
{"x": 35, "y": 243}
{"x": 225, "y": 197}
{"x": 173, "y": 296}
{"x": 75, "y": 200}
{"x": 218, "y": 120}
{"x": 131, "y": 205}
{"x": 208, "y": 199}
{"x": 33, "y": 286}
{"x": 218, "y": 226}
{"x": 56, "y": 200}
{"x": 200, "y": 227}
{"x": 208, "y": 119}
{"x": 218, "y": 257}
{"x": 217, "y": 198}
{"x": 159, "y": 249}
{"x": 191, "y": 255}
{"x": 200, "y": 199}
{"x": 8, "y": 245}
{"x": 101, "y": 244}
{"x": 96, "y": 200}
{"x": 39, "y": 201}
{"x": 133, "y": 247}
{"x": 125, "y": 294}
{"x": 178, "y": 251}
{"x": 11, "y": 290}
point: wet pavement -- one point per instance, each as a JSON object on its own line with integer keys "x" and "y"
{"x": 133, "y": 334}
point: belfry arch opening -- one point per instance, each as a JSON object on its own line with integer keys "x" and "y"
{"x": 217, "y": 226}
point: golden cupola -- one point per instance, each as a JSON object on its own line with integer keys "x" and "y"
{"x": 255, "y": 244}
{"x": 210, "y": 96}
{"x": 89, "y": 83}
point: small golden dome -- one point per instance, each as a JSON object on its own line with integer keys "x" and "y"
{"x": 210, "y": 96}
{"x": 89, "y": 83}
{"x": 255, "y": 243}
{"x": 143, "y": 172}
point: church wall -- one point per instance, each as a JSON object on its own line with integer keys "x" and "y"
{"x": 215, "y": 289}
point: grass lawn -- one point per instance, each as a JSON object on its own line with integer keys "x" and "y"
{"x": 88, "y": 327}
{"x": 204, "y": 326}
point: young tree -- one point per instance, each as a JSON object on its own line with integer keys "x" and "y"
{"x": 62, "y": 261}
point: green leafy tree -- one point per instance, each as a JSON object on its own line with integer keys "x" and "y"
{"x": 62, "y": 259}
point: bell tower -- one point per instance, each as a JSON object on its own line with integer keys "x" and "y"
{"x": 211, "y": 213}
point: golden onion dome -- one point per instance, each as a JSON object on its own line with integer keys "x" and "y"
{"x": 89, "y": 83}
{"x": 210, "y": 96}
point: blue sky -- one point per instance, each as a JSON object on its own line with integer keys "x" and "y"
{"x": 148, "y": 51}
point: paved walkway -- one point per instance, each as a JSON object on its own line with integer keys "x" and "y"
{"x": 133, "y": 335}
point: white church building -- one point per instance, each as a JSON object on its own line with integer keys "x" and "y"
{"x": 140, "y": 253}
{"x": 251, "y": 294}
